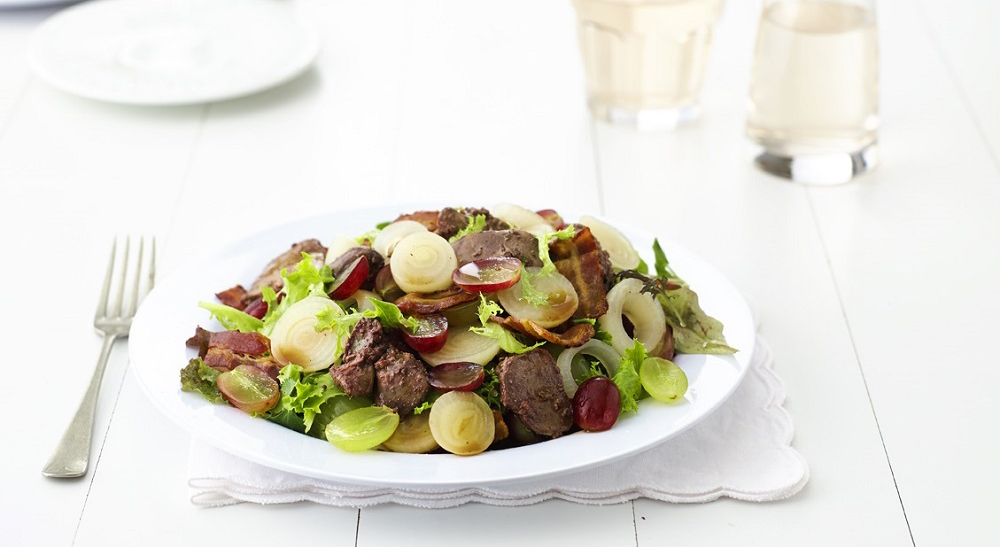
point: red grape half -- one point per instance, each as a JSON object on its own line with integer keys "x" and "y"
{"x": 488, "y": 275}
{"x": 461, "y": 376}
{"x": 348, "y": 281}
{"x": 596, "y": 404}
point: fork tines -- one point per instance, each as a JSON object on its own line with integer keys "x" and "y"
{"x": 129, "y": 272}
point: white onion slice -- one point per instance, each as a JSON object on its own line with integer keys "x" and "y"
{"x": 412, "y": 435}
{"x": 521, "y": 218}
{"x": 563, "y": 299}
{"x": 360, "y": 300}
{"x": 462, "y": 423}
{"x": 423, "y": 262}
{"x": 642, "y": 310}
{"x": 386, "y": 240}
{"x": 604, "y": 353}
{"x": 294, "y": 339}
{"x": 338, "y": 246}
{"x": 623, "y": 254}
{"x": 463, "y": 345}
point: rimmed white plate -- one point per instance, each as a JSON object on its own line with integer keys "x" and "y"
{"x": 169, "y": 314}
{"x": 172, "y": 52}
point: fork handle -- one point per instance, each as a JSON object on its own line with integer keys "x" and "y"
{"x": 73, "y": 453}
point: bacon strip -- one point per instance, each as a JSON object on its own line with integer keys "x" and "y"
{"x": 435, "y": 302}
{"x": 584, "y": 263}
{"x": 577, "y": 335}
{"x": 223, "y": 359}
{"x": 428, "y": 218}
{"x": 245, "y": 343}
{"x": 233, "y": 297}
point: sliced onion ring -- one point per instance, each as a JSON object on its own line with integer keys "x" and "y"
{"x": 645, "y": 313}
{"x": 594, "y": 348}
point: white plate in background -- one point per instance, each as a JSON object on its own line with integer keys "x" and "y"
{"x": 169, "y": 314}
{"x": 172, "y": 52}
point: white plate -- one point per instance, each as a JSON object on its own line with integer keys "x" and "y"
{"x": 172, "y": 52}
{"x": 4, "y": 4}
{"x": 169, "y": 314}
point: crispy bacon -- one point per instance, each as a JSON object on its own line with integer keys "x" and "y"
{"x": 428, "y": 218}
{"x": 245, "y": 343}
{"x": 233, "y": 297}
{"x": 585, "y": 264}
{"x": 577, "y": 335}
{"x": 223, "y": 359}
{"x": 435, "y": 302}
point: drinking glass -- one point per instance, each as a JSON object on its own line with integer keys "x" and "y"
{"x": 813, "y": 101}
{"x": 645, "y": 59}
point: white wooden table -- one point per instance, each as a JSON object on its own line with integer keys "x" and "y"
{"x": 879, "y": 298}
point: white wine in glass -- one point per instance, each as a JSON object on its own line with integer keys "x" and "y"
{"x": 813, "y": 104}
{"x": 645, "y": 60}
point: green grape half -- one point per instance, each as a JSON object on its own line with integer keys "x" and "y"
{"x": 662, "y": 379}
{"x": 362, "y": 428}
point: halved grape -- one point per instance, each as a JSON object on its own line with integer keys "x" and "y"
{"x": 487, "y": 275}
{"x": 662, "y": 379}
{"x": 431, "y": 334}
{"x": 349, "y": 280}
{"x": 456, "y": 376}
{"x": 596, "y": 404}
{"x": 386, "y": 286}
{"x": 362, "y": 429}
{"x": 249, "y": 389}
{"x": 552, "y": 217}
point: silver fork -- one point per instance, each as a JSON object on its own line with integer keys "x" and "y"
{"x": 73, "y": 453}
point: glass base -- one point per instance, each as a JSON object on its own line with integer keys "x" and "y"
{"x": 819, "y": 169}
{"x": 648, "y": 119}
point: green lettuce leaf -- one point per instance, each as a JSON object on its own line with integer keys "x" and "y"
{"x": 305, "y": 280}
{"x": 302, "y": 397}
{"x": 530, "y": 293}
{"x": 477, "y": 223}
{"x": 694, "y": 330}
{"x": 200, "y": 378}
{"x": 627, "y": 377}
{"x": 508, "y": 342}
{"x": 390, "y": 315}
{"x": 490, "y": 390}
{"x": 662, "y": 266}
{"x": 232, "y": 318}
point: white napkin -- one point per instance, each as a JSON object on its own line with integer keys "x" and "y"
{"x": 742, "y": 450}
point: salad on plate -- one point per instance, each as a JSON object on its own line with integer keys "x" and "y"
{"x": 458, "y": 330}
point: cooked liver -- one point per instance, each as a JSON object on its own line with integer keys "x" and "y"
{"x": 366, "y": 345}
{"x": 531, "y": 388}
{"x": 516, "y": 243}
{"x": 402, "y": 381}
{"x": 450, "y": 220}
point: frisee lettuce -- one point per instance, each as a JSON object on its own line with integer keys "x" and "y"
{"x": 508, "y": 342}
{"x": 477, "y": 223}
{"x": 305, "y": 280}
{"x": 490, "y": 390}
{"x": 200, "y": 378}
{"x": 530, "y": 293}
{"x": 627, "y": 377}
{"x": 302, "y": 397}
